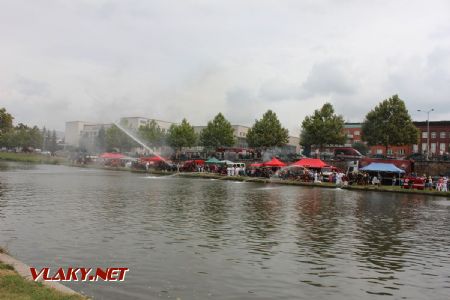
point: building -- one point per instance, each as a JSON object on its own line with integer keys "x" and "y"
{"x": 78, "y": 132}
{"x": 81, "y": 133}
{"x": 135, "y": 122}
{"x": 73, "y": 131}
{"x": 439, "y": 137}
{"x": 91, "y": 130}
{"x": 353, "y": 133}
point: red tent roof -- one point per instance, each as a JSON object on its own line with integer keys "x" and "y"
{"x": 153, "y": 158}
{"x": 257, "y": 165}
{"x": 195, "y": 161}
{"x": 274, "y": 163}
{"x": 108, "y": 155}
{"x": 310, "y": 163}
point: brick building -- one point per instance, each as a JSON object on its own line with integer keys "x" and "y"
{"x": 439, "y": 137}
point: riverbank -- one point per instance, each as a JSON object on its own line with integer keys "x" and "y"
{"x": 386, "y": 188}
{"x": 204, "y": 175}
{"x": 15, "y": 283}
{"x": 31, "y": 158}
{"x": 35, "y": 158}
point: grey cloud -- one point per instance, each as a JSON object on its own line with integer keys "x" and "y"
{"x": 330, "y": 78}
{"x": 149, "y": 58}
{"x": 29, "y": 87}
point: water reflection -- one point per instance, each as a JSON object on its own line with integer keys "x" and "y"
{"x": 193, "y": 238}
{"x": 263, "y": 215}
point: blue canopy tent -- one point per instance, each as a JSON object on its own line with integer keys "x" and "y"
{"x": 382, "y": 167}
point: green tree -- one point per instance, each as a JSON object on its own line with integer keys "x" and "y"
{"x": 182, "y": 135}
{"x": 324, "y": 127}
{"x": 53, "y": 143}
{"x": 6, "y": 121}
{"x": 117, "y": 139}
{"x": 152, "y": 134}
{"x": 22, "y": 136}
{"x": 267, "y": 132}
{"x": 361, "y": 147}
{"x": 389, "y": 123}
{"x": 101, "y": 140}
{"x": 218, "y": 132}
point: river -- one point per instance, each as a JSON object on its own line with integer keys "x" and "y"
{"x": 186, "y": 238}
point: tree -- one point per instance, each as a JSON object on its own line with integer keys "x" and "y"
{"x": 152, "y": 133}
{"x": 361, "y": 147}
{"x": 117, "y": 139}
{"x": 182, "y": 135}
{"x": 267, "y": 132}
{"x": 101, "y": 140}
{"x": 22, "y": 136}
{"x": 218, "y": 132}
{"x": 389, "y": 123}
{"x": 324, "y": 127}
{"x": 6, "y": 121}
{"x": 53, "y": 145}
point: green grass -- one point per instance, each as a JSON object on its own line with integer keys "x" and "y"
{"x": 15, "y": 287}
{"x": 30, "y": 158}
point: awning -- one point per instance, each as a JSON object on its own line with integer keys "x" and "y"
{"x": 274, "y": 162}
{"x": 152, "y": 159}
{"x": 310, "y": 163}
{"x": 213, "y": 160}
{"x": 108, "y": 155}
{"x": 382, "y": 167}
{"x": 257, "y": 165}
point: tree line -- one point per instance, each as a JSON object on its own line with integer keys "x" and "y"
{"x": 389, "y": 123}
{"x": 24, "y": 137}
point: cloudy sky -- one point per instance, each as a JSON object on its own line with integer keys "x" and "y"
{"x": 98, "y": 60}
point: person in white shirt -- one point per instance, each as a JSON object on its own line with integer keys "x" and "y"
{"x": 444, "y": 184}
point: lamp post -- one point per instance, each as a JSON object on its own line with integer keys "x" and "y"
{"x": 428, "y": 129}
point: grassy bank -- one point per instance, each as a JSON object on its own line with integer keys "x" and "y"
{"x": 30, "y": 158}
{"x": 15, "y": 287}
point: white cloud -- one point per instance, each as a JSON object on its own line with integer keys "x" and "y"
{"x": 100, "y": 60}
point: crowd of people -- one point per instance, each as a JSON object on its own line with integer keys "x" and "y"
{"x": 301, "y": 174}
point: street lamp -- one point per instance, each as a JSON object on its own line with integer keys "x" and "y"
{"x": 428, "y": 128}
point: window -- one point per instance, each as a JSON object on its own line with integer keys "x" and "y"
{"x": 401, "y": 151}
{"x": 379, "y": 151}
{"x": 433, "y": 135}
{"x": 356, "y": 132}
{"x": 424, "y": 135}
{"x": 424, "y": 147}
{"x": 415, "y": 148}
{"x": 389, "y": 151}
{"x": 442, "y": 135}
{"x": 442, "y": 147}
{"x": 433, "y": 148}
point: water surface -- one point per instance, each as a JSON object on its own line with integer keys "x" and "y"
{"x": 210, "y": 239}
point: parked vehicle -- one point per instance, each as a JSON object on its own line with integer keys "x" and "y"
{"x": 414, "y": 183}
{"x": 347, "y": 153}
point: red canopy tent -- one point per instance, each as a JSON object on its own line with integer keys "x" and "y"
{"x": 108, "y": 155}
{"x": 274, "y": 162}
{"x": 152, "y": 159}
{"x": 257, "y": 165}
{"x": 310, "y": 163}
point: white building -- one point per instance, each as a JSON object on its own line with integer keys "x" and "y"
{"x": 75, "y": 130}
{"x": 72, "y": 132}
{"x": 135, "y": 122}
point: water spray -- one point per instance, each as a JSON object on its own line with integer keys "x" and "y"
{"x": 138, "y": 141}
